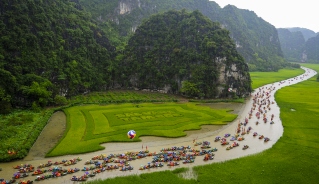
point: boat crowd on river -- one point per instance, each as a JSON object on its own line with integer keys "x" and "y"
{"x": 260, "y": 114}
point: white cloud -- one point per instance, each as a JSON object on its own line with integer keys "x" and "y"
{"x": 281, "y": 13}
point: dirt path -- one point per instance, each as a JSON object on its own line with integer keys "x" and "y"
{"x": 155, "y": 144}
{"x": 49, "y": 137}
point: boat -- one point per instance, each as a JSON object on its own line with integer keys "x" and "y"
{"x": 240, "y": 138}
{"x": 266, "y": 139}
{"x": 214, "y": 150}
{"x": 25, "y": 182}
{"x": 217, "y": 138}
{"x": 233, "y": 138}
{"x": 208, "y": 157}
{"x": 205, "y": 147}
{"x": 188, "y": 161}
{"x": 19, "y": 175}
{"x": 229, "y": 147}
{"x": 235, "y": 144}
{"x": 173, "y": 164}
{"x": 225, "y": 143}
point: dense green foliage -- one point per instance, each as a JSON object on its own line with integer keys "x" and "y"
{"x": 89, "y": 126}
{"x": 183, "y": 52}
{"x": 299, "y": 44}
{"x": 50, "y": 48}
{"x": 312, "y": 49}
{"x": 292, "y": 44}
{"x": 293, "y": 159}
{"x": 253, "y": 36}
{"x": 256, "y": 39}
{"x": 19, "y": 130}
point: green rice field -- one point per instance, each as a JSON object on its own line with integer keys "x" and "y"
{"x": 263, "y": 78}
{"x": 293, "y": 159}
{"x": 91, "y": 125}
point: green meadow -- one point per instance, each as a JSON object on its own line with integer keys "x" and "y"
{"x": 122, "y": 96}
{"x": 91, "y": 125}
{"x": 293, "y": 159}
{"x": 263, "y": 78}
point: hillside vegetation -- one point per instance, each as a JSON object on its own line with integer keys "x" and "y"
{"x": 256, "y": 40}
{"x": 299, "y": 44}
{"x": 49, "y": 49}
{"x": 186, "y": 53}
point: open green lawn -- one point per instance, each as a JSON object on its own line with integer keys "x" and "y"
{"x": 91, "y": 125}
{"x": 262, "y": 78}
{"x": 293, "y": 159}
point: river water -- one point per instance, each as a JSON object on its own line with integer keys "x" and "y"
{"x": 155, "y": 144}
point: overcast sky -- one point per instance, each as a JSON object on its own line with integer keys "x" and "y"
{"x": 282, "y": 13}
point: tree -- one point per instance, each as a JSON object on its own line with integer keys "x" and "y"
{"x": 38, "y": 92}
{"x": 190, "y": 89}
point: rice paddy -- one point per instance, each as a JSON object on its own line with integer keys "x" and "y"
{"x": 293, "y": 159}
{"x": 263, "y": 78}
{"x": 89, "y": 126}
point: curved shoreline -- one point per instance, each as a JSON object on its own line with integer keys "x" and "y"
{"x": 274, "y": 132}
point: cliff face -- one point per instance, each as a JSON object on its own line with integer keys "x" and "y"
{"x": 178, "y": 52}
{"x": 126, "y": 6}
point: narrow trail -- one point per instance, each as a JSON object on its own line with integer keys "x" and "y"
{"x": 262, "y": 99}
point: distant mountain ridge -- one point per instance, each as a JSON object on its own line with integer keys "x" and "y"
{"x": 54, "y": 49}
{"x": 299, "y": 44}
{"x": 256, "y": 40}
{"x": 307, "y": 33}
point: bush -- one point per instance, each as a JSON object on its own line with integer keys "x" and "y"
{"x": 60, "y": 100}
{"x": 35, "y": 107}
{"x": 5, "y": 107}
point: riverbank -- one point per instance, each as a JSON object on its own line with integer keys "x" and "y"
{"x": 274, "y": 132}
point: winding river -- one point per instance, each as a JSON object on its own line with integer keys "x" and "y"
{"x": 262, "y": 96}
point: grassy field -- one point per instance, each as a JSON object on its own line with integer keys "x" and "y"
{"x": 20, "y": 129}
{"x": 91, "y": 125}
{"x": 263, "y": 78}
{"x": 122, "y": 96}
{"x": 18, "y": 132}
{"x": 293, "y": 159}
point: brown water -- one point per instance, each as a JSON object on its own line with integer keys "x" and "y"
{"x": 155, "y": 144}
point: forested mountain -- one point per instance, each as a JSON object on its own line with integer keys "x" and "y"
{"x": 54, "y": 49}
{"x": 307, "y": 33}
{"x": 312, "y": 49}
{"x": 294, "y": 46}
{"x": 185, "y": 52}
{"x": 47, "y": 49}
{"x": 255, "y": 39}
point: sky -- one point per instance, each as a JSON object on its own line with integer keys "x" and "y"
{"x": 281, "y": 13}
